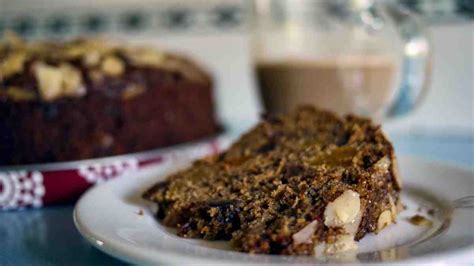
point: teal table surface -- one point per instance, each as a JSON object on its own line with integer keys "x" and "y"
{"x": 48, "y": 237}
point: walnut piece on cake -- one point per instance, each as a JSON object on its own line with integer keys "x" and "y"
{"x": 304, "y": 183}
{"x": 91, "y": 97}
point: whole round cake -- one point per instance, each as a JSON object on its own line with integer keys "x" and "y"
{"x": 90, "y": 98}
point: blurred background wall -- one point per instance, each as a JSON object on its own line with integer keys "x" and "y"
{"x": 206, "y": 28}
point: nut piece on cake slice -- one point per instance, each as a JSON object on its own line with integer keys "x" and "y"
{"x": 304, "y": 183}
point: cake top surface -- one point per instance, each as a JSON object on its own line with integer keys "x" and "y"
{"x": 279, "y": 177}
{"x": 48, "y": 71}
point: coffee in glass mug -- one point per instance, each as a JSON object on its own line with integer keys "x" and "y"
{"x": 346, "y": 56}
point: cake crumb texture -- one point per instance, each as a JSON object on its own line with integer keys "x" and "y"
{"x": 291, "y": 183}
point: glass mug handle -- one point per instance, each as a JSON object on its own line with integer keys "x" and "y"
{"x": 416, "y": 63}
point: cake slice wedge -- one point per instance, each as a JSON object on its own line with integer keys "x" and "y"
{"x": 304, "y": 183}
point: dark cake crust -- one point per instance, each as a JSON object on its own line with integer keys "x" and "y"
{"x": 290, "y": 185}
{"x": 114, "y": 100}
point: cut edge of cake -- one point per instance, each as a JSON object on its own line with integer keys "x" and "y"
{"x": 343, "y": 213}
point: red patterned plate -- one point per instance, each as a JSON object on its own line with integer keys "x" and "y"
{"x": 52, "y": 183}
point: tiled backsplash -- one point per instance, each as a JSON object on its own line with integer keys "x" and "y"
{"x": 209, "y": 31}
{"x": 204, "y": 28}
{"x": 31, "y": 19}
{"x": 439, "y": 11}
{"x": 52, "y": 18}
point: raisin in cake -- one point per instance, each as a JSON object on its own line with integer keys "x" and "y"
{"x": 304, "y": 183}
{"x": 89, "y": 98}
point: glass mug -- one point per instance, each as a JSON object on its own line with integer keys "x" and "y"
{"x": 365, "y": 57}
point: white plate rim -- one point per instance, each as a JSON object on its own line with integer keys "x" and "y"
{"x": 133, "y": 254}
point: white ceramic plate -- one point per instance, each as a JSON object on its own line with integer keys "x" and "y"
{"x": 114, "y": 219}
